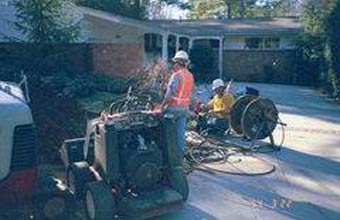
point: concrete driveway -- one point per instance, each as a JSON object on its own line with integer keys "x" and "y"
{"x": 306, "y": 182}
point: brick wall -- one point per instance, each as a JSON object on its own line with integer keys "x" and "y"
{"x": 117, "y": 59}
{"x": 121, "y": 59}
{"x": 260, "y": 66}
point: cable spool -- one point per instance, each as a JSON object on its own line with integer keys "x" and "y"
{"x": 251, "y": 116}
{"x": 237, "y": 110}
{"x": 259, "y": 119}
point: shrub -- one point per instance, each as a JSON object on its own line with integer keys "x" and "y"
{"x": 111, "y": 84}
{"x": 333, "y": 44}
{"x": 83, "y": 85}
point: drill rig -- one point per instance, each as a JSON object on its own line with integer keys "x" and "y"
{"x": 127, "y": 166}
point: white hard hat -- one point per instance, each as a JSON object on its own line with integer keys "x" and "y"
{"x": 181, "y": 54}
{"x": 217, "y": 83}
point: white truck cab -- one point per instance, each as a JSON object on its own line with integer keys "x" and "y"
{"x": 19, "y": 182}
{"x": 18, "y": 144}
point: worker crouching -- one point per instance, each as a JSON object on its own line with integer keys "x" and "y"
{"x": 214, "y": 115}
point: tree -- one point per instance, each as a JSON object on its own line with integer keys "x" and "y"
{"x": 130, "y": 8}
{"x": 320, "y": 41}
{"x": 162, "y": 9}
{"x": 332, "y": 54}
{"x": 49, "y": 24}
{"x": 203, "y": 9}
{"x": 280, "y": 8}
{"x": 243, "y": 8}
{"x": 138, "y": 9}
{"x": 47, "y": 21}
{"x": 157, "y": 10}
{"x": 313, "y": 43}
{"x": 230, "y": 6}
{"x": 180, "y": 3}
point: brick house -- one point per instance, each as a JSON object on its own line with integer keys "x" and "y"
{"x": 252, "y": 50}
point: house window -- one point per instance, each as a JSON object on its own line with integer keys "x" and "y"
{"x": 215, "y": 44}
{"x": 272, "y": 43}
{"x": 152, "y": 42}
{"x": 256, "y": 43}
{"x": 183, "y": 44}
{"x": 171, "y": 46}
{"x": 253, "y": 43}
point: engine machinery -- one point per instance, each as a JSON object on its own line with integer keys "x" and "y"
{"x": 127, "y": 166}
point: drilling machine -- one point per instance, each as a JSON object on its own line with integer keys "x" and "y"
{"x": 127, "y": 166}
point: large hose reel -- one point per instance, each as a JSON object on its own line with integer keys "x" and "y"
{"x": 254, "y": 117}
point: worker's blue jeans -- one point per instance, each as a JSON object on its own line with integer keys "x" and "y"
{"x": 181, "y": 119}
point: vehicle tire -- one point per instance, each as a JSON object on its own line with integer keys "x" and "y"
{"x": 77, "y": 176}
{"x": 99, "y": 201}
{"x": 54, "y": 207}
{"x": 53, "y": 201}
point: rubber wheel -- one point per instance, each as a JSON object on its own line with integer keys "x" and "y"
{"x": 99, "y": 201}
{"x": 54, "y": 207}
{"x": 259, "y": 119}
{"x": 179, "y": 182}
{"x": 237, "y": 110}
{"x": 77, "y": 175}
{"x": 54, "y": 202}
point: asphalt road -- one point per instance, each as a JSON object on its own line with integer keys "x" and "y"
{"x": 306, "y": 182}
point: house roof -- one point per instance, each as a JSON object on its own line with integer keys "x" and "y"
{"x": 232, "y": 27}
{"x": 212, "y": 27}
{"x": 143, "y": 25}
{"x": 226, "y": 27}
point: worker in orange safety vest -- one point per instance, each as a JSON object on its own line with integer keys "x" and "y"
{"x": 178, "y": 95}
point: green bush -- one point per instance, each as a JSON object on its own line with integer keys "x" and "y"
{"x": 111, "y": 84}
{"x": 83, "y": 85}
{"x": 321, "y": 45}
{"x": 333, "y": 45}
{"x": 9, "y": 74}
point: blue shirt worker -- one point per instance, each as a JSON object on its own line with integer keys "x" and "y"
{"x": 178, "y": 95}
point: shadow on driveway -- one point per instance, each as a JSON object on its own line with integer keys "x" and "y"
{"x": 301, "y": 101}
{"x": 307, "y": 161}
{"x": 268, "y": 200}
{"x": 189, "y": 212}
